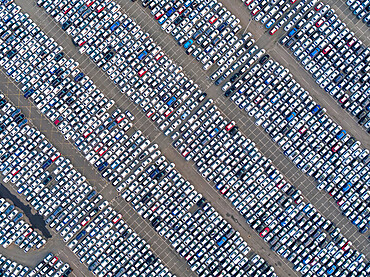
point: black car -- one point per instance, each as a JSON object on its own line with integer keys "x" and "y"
{"x": 156, "y": 221}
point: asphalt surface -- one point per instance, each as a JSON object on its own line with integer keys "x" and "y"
{"x": 160, "y": 247}
{"x": 170, "y": 258}
{"x": 287, "y": 59}
{"x": 321, "y": 200}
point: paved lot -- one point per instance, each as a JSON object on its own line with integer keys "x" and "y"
{"x": 170, "y": 258}
{"x": 286, "y": 58}
{"x": 321, "y": 200}
{"x": 160, "y": 247}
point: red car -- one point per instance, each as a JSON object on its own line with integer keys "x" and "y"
{"x": 189, "y": 255}
{"x": 255, "y": 11}
{"x": 258, "y": 99}
{"x": 88, "y": 133}
{"x": 293, "y": 1}
{"x": 185, "y": 153}
{"x": 336, "y": 147}
{"x": 351, "y": 42}
{"x": 67, "y": 9}
{"x": 155, "y": 206}
{"x": 341, "y": 201}
{"x": 28, "y": 232}
{"x": 54, "y": 260}
{"x": 57, "y": 121}
{"x": 281, "y": 184}
{"x": 89, "y": 3}
{"x": 181, "y": 10}
{"x": 298, "y": 200}
{"x": 159, "y": 56}
{"x": 248, "y": 2}
{"x": 213, "y": 19}
{"x": 120, "y": 118}
{"x": 103, "y": 151}
{"x": 303, "y": 130}
{"x": 158, "y": 15}
{"x": 346, "y": 246}
{"x": 168, "y": 112}
{"x": 230, "y": 125}
{"x": 16, "y": 170}
{"x": 150, "y": 113}
{"x": 55, "y": 156}
{"x": 327, "y": 49}
{"x": 343, "y": 98}
{"x": 320, "y": 22}
{"x": 85, "y": 221}
{"x": 273, "y": 30}
{"x": 100, "y": 9}
{"x": 264, "y": 232}
{"x": 142, "y": 72}
{"x": 225, "y": 189}
{"x": 117, "y": 218}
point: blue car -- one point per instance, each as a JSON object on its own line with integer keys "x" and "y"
{"x": 79, "y": 76}
{"x": 142, "y": 55}
{"x": 9, "y": 209}
{"x": 81, "y": 234}
{"x": 331, "y": 269}
{"x": 221, "y": 241}
{"x": 17, "y": 111}
{"x": 114, "y": 26}
{"x": 292, "y": 32}
{"x": 314, "y": 52}
{"x": 29, "y": 92}
{"x": 17, "y": 217}
{"x": 188, "y": 43}
{"x": 170, "y": 11}
{"x": 291, "y": 116}
{"x": 171, "y": 101}
{"x": 47, "y": 164}
{"x": 315, "y": 109}
{"x": 23, "y": 122}
{"x": 347, "y": 186}
{"x": 188, "y": 3}
{"x": 115, "y": 164}
{"x": 341, "y": 134}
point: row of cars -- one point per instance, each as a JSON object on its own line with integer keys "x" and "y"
{"x": 128, "y": 194}
{"x": 317, "y": 146}
{"x": 56, "y": 217}
{"x": 211, "y": 27}
{"x": 9, "y": 267}
{"x": 14, "y": 229}
{"x": 278, "y": 14}
{"x": 60, "y": 194}
{"x": 153, "y": 164}
{"x": 250, "y": 101}
{"x": 361, "y": 9}
{"x": 51, "y": 265}
{"x": 206, "y": 29}
{"x": 337, "y": 60}
{"x": 140, "y": 74}
{"x": 272, "y": 206}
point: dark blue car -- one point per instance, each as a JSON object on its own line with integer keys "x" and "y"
{"x": 79, "y": 77}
